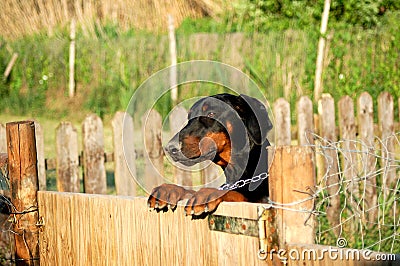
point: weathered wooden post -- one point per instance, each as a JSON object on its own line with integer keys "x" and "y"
{"x": 124, "y": 155}
{"x": 291, "y": 184}
{"x": 94, "y": 179}
{"x": 67, "y": 158}
{"x": 154, "y": 154}
{"x": 24, "y": 184}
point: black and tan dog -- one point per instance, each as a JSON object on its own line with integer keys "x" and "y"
{"x": 232, "y": 132}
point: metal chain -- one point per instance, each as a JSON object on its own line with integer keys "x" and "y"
{"x": 242, "y": 183}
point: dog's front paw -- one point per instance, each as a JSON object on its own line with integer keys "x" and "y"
{"x": 167, "y": 196}
{"x": 206, "y": 200}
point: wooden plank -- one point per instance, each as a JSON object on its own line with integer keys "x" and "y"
{"x": 67, "y": 158}
{"x": 124, "y": 154}
{"x": 326, "y": 111}
{"x": 125, "y": 231}
{"x": 178, "y": 118}
{"x": 281, "y": 109}
{"x": 366, "y": 134}
{"x": 153, "y": 152}
{"x": 231, "y": 249}
{"x": 93, "y": 155}
{"x": 102, "y": 226}
{"x": 65, "y": 239}
{"x": 290, "y": 176}
{"x": 144, "y": 241}
{"x": 305, "y": 121}
{"x": 48, "y": 238}
{"x": 347, "y": 131}
{"x": 80, "y": 228}
{"x": 22, "y": 160}
{"x": 386, "y": 128}
{"x": 41, "y": 166}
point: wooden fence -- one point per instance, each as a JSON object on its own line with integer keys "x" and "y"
{"x": 351, "y": 126}
{"x": 91, "y": 228}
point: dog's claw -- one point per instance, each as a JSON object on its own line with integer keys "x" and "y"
{"x": 206, "y": 209}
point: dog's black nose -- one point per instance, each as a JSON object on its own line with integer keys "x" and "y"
{"x": 172, "y": 149}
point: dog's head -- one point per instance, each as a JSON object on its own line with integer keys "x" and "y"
{"x": 219, "y": 126}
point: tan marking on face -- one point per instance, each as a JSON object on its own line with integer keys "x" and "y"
{"x": 205, "y": 107}
{"x": 223, "y": 144}
{"x": 190, "y": 146}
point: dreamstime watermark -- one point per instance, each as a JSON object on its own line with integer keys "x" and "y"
{"x": 325, "y": 253}
{"x": 154, "y": 93}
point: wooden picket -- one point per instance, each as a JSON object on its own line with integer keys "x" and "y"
{"x": 154, "y": 158}
{"x": 281, "y": 109}
{"x": 366, "y": 134}
{"x": 326, "y": 111}
{"x": 386, "y": 128}
{"x": 93, "y": 155}
{"x": 124, "y": 154}
{"x": 305, "y": 121}
{"x": 347, "y": 131}
{"x": 67, "y": 158}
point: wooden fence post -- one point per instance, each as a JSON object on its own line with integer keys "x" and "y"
{"x": 326, "y": 111}
{"x": 177, "y": 119}
{"x": 347, "y": 131}
{"x": 291, "y": 177}
{"x": 124, "y": 154}
{"x": 67, "y": 158}
{"x": 281, "y": 109}
{"x": 366, "y": 135}
{"x": 386, "y": 128}
{"x": 153, "y": 152}
{"x": 305, "y": 121}
{"x": 93, "y": 155}
{"x": 23, "y": 176}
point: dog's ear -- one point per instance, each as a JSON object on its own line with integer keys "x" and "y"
{"x": 256, "y": 119}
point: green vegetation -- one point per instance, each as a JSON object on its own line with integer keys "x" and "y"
{"x": 111, "y": 64}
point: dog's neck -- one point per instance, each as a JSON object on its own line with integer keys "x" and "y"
{"x": 245, "y": 165}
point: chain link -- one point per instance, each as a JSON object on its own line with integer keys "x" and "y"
{"x": 242, "y": 183}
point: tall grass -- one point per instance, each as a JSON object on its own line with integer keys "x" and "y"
{"x": 19, "y": 18}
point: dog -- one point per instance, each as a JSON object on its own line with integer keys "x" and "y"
{"x": 231, "y": 131}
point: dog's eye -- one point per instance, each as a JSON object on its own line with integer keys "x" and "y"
{"x": 211, "y": 115}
